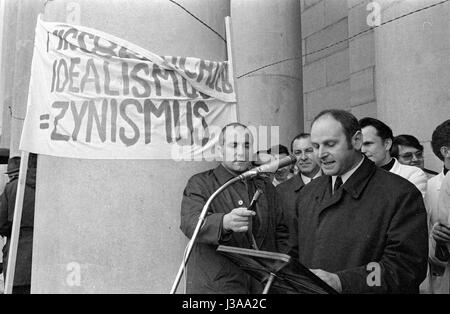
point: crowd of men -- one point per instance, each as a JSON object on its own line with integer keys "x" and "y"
{"x": 358, "y": 209}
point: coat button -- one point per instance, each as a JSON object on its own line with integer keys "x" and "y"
{"x": 240, "y": 202}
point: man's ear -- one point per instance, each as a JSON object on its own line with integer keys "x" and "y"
{"x": 219, "y": 152}
{"x": 388, "y": 144}
{"x": 357, "y": 140}
{"x": 445, "y": 151}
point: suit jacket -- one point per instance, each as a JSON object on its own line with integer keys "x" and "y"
{"x": 413, "y": 174}
{"x": 374, "y": 217}
{"x": 288, "y": 192}
{"x": 209, "y": 271}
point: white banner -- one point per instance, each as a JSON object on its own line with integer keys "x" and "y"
{"x": 96, "y": 96}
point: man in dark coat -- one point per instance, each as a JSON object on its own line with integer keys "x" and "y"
{"x": 308, "y": 169}
{"x": 227, "y": 221}
{"x": 361, "y": 229}
{"x": 22, "y": 277}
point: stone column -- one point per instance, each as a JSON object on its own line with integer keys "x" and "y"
{"x": 112, "y": 226}
{"x": 412, "y": 60}
{"x": 266, "y": 32}
{"x": 8, "y": 48}
{"x": 27, "y": 13}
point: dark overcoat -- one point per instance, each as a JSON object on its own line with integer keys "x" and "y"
{"x": 376, "y": 216}
{"x": 209, "y": 271}
{"x": 288, "y": 192}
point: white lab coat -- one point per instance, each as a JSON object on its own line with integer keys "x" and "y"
{"x": 413, "y": 174}
{"x": 435, "y": 203}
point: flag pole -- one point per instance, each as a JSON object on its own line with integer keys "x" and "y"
{"x": 231, "y": 67}
{"x": 12, "y": 252}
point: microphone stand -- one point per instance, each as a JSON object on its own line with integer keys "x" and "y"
{"x": 248, "y": 174}
{"x": 201, "y": 219}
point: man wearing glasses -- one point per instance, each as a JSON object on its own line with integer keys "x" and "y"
{"x": 408, "y": 151}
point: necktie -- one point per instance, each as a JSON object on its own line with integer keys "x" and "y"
{"x": 337, "y": 183}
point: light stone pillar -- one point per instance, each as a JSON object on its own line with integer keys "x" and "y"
{"x": 116, "y": 222}
{"x": 267, "y": 32}
{"x": 412, "y": 60}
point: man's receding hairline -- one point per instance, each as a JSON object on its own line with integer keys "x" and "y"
{"x": 341, "y": 125}
{"x": 304, "y": 137}
{"x": 328, "y": 114}
{"x": 233, "y": 126}
{"x": 301, "y": 138}
{"x": 377, "y": 133}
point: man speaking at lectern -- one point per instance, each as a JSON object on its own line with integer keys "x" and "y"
{"x": 361, "y": 229}
{"x": 227, "y": 221}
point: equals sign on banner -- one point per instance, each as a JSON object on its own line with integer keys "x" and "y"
{"x": 44, "y": 121}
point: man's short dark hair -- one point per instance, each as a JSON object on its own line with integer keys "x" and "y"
{"x": 278, "y": 149}
{"x": 383, "y": 130}
{"x": 441, "y": 137}
{"x": 297, "y": 137}
{"x": 346, "y": 119}
{"x": 404, "y": 140}
{"x": 229, "y": 125}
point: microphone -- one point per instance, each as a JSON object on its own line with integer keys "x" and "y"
{"x": 255, "y": 199}
{"x": 269, "y": 167}
{"x": 252, "y": 206}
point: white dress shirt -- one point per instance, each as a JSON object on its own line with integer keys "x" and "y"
{"x": 346, "y": 175}
{"x": 306, "y": 179}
